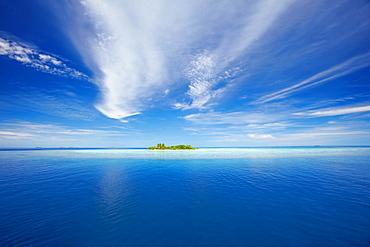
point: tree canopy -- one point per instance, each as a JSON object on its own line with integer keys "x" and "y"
{"x": 162, "y": 146}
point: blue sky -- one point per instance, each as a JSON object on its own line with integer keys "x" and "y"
{"x": 118, "y": 73}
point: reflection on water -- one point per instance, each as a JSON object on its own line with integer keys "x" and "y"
{"x": 113, "y": 192}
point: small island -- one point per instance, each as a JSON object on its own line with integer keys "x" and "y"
{"x": 161, "y": 146}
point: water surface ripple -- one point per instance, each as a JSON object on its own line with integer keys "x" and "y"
{"x": 208, "y": 197}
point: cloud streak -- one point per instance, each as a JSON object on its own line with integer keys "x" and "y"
{"x": 349, "y": 66}
{"x": 10, "y": 134}
{"x": 31, "y": 57}
{"x": 55, "y": 134}
{"x": 334, "y": 112}
{"x": 233, "y": 118}
{"x": 48, "y": 102}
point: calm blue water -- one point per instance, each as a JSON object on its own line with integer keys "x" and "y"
{"x": 215, "y": 197}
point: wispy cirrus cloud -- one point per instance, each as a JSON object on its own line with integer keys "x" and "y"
{"x": 209, "y": 68}
{"x": 10, "y": 134}
{"x": 235, "y": 138}
{"x": 233, "y": 118}
{"x": 32, "y": 57}
{"x": 349, "y": 66}
{"x": 345, "y": 133}
{"x": 204, "y": 75}
{"x": 281, "y": 128}
{"x": 138, "y": 49}
{"x": 337, "y": 111}
{"x": 53, "y": 103}
{"x": 51, "y": 134}
{"x": 237, "y": 127}
{"x": 295, "y": 134}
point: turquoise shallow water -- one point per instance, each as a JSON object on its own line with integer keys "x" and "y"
{"x": 209, "y": 197}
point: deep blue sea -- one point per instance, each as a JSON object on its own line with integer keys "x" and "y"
{"x": 209, "y": 197}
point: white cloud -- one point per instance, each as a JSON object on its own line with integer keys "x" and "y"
{"x": 36, "y": 129}
{"x": 138, "y": 48}
{"x": 260, "y": 136}
{"x": 233, "y": 118}
{"x": 205, "y": 70}
{"x": 257, "y": 22}
{"x": 334, "y": 111}
{"x": 268, "y": 126}
{"x": 351, "y": 65}
{"x": 10, "y": 134}
{"x": 279, "y": 128}
{"x": 19, "y": 133}
{"x": 126, "y": 53}
{"x": 47, "y": 58}
{"x": 296, "y": 136}
{"x": 202, "y": 76}
{"x": 305, "y": 136}
{"x": 31, "y": 57}
{"x": 251, "y": 139}
{"x": 59, "y": 103}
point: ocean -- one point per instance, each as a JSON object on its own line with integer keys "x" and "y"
{"x": 297, "y": 196}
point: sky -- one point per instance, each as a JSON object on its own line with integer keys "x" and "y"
{"x": 225, "y": 73}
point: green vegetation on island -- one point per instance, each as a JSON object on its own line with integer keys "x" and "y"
{"x": 161, "y": 146}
